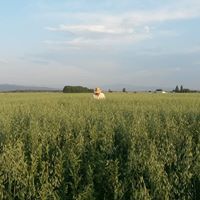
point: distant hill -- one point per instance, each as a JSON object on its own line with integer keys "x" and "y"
{"x": 10, "y": 87}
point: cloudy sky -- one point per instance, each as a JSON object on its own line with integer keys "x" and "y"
{"x": 105, "y": 42}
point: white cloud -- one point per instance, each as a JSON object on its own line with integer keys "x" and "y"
{"x": 147, "y": 29}
{"x": 101, "y": 22}
{"x": 99, "y": 29}
{"x": 93, "y": 42}
{"x": 98, "y": 35}
{"x": 91, "y": 28}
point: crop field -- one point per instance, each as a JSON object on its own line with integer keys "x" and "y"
{"x": 69, "y": 146}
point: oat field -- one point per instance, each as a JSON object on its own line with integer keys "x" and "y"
{"x": 71, "y": 147}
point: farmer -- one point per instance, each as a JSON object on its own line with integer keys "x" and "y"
{"x": 98, "y": 94}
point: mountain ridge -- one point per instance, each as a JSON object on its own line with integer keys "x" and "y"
{"x": 13, "y": 87}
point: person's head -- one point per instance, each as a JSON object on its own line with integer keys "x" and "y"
{"x": 97, "y": 91}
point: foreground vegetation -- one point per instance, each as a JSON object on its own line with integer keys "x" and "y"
{"x": 130, "y": 146}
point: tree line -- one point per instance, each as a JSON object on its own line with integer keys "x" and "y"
{"x": 81, "y": 89}
{"x": 181, "y": 89}
{"x": 76, "y": 89}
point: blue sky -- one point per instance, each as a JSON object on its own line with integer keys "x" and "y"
{"x": 96, "y": 43}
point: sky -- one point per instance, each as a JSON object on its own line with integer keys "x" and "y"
{"x": 100, "y": 43}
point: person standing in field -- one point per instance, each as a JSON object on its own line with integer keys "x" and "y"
{"x": 98, "y": 94}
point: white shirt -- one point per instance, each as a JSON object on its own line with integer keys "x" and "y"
{"x": 100, "y": 96}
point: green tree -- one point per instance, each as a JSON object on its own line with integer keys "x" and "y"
{"x": 181, "y": 89}
{"x": 177, "y": 89}
{"x": 124, "y": 90}
{"x": 76, "y": 89}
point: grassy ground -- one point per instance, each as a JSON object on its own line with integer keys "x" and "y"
{"x": 129, "y": 146}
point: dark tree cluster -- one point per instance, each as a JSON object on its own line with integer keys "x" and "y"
{"x": 76, "y": 89}
{"x": 124, "y": 90}
{"x": 183, "y": 90}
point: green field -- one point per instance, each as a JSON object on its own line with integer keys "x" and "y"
{"x": 129, "y": 146}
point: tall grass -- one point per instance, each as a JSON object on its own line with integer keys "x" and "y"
{"x": 130, "y": 146}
